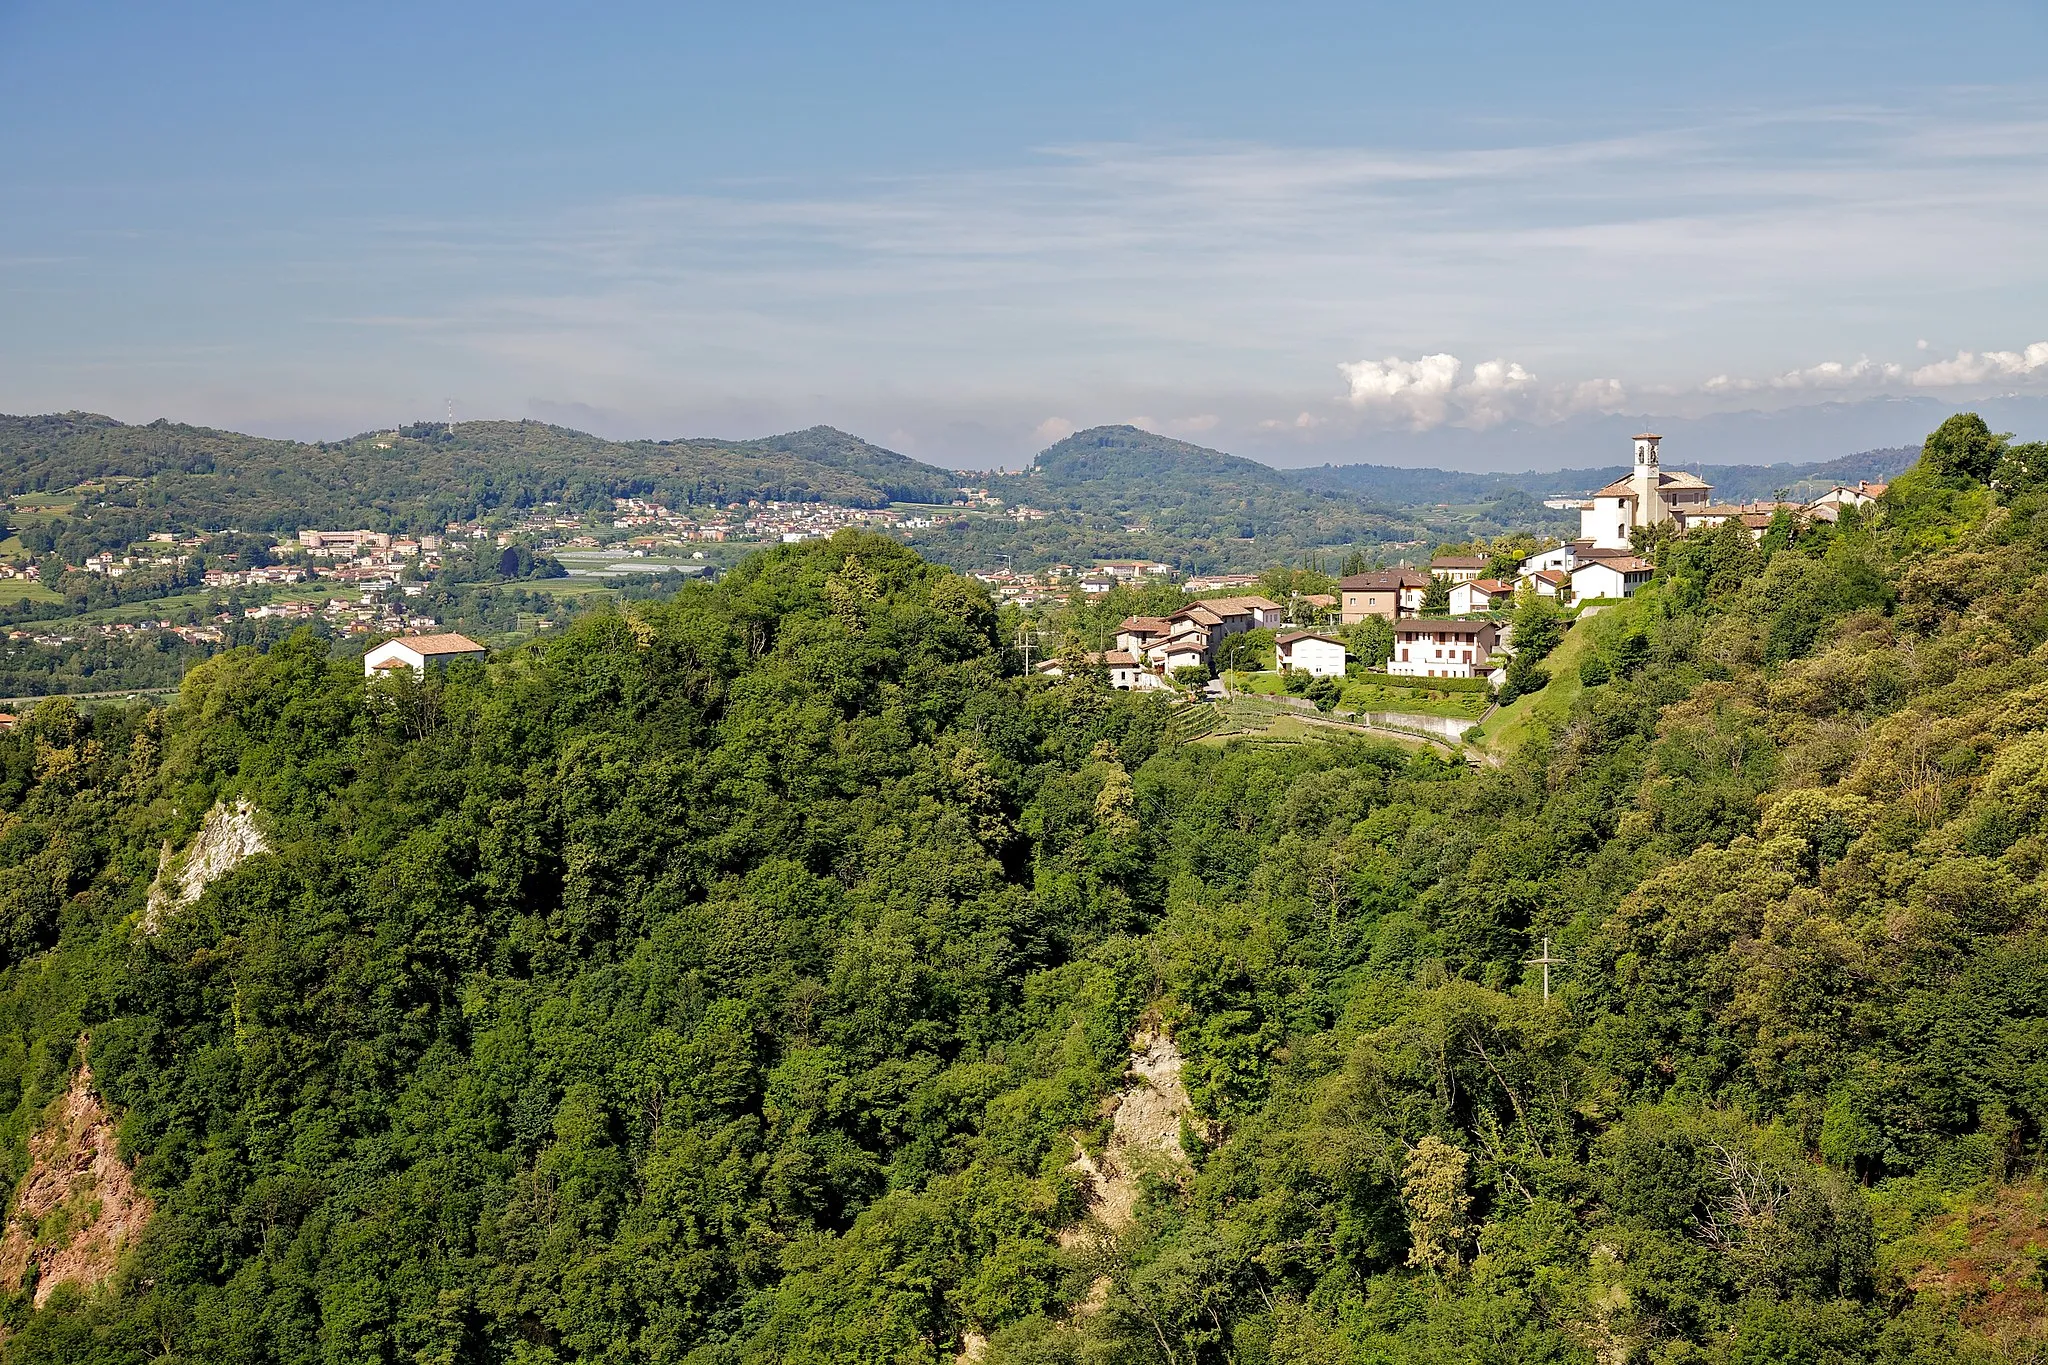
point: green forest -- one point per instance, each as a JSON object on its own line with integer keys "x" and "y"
{"x": 169, "y": 476}
{"x": 755, "y": 976}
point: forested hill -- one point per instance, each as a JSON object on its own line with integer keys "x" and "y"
{"x": 423, "y": 476}
{"x": 1184, "y": 490}
{"x": 752, "y": 979}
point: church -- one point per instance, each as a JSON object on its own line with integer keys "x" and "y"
{"x": 1649, "y": 496}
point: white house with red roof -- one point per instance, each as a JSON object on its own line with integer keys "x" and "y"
{"x": 419, "y": 653}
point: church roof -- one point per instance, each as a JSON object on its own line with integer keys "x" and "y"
{"x": 1666, "y": 478}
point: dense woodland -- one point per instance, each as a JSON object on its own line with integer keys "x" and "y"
{"x": 419, "y": 477}
{"x": 729, "y": 979}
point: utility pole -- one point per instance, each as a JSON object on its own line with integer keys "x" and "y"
{"x": 1023, "y": 645}
{"x": 1546, "y": 962}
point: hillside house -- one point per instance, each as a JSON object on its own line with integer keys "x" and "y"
{"x": 1842, "y": 495}
{"x": 1438, "y": 648}
{"x": 1648, "y": 496}
{"x": 1305, "y": 651}
{"x": 1390, "y": 593}
{"x": 1458, "y": 568}
{"x": 1614, "y": 576}
{"x": 1481, "y": 594}
{"x": 1140, "y": 635}
{"x": 419, "y": 653}
{"x": 1547, "y": 583}
{"x": 1262, "y": 613}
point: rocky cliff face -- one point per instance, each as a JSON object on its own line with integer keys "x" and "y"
{"x": 226, "y": 836}
{"x": 78, "y": 1208}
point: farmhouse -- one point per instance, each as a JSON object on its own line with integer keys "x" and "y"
{"x": 1481, "y": 594}
{"x": 1613, "y": 576}
{"x": 1649, "y": 496}
{"x": 418, "y": 653}
{"x": 1305, "y": 651}
{"x": 1439, "y": 648}
{"x": 1390, "y": 593}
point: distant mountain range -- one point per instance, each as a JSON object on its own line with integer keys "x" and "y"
{"x": 1401, "y": 486}
{"x": 1174, "y": 492}
{"x": 1804, "y": 435}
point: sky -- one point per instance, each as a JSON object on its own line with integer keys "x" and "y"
{"x": 1305, "y": 232}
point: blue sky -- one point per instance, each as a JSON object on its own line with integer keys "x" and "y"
{"x": 1287, "y": 230}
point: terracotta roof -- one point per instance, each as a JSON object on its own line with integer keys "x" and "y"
{"x": 1231, "y": 606}
{"x": 1197, "y": 613}
{"x": 1621, "y": 564}
{"x": 1320, "y": 599}
{"x": 1386, "y": 580}
{"x": 1438, "y": 625}
{"x": 1552, "y": 576}
{"x": 439, "y": 644}
{"x": 1148, "y": 625}
{"x": 1490, "y": 585}
{"x": 1666, "y": 478}
{"x": 1293, "y": 635}
{"x": 1458, "y": 562}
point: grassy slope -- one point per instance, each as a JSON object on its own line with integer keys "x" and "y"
{"x": 1510, "y": 726}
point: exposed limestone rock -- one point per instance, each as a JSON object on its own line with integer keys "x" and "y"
{"x": 1144, "y": 1135}
{"x": 226, "y": 836}
{"x": 78, "y": 1208}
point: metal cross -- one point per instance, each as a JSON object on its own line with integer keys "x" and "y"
{"x": 1546, "y": 962}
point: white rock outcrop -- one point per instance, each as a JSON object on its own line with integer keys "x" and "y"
{"x": 226, "y": 837}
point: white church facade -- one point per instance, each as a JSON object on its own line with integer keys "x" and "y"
{"x": 1649, "y": 496}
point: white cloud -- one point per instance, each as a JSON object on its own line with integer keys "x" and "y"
{"x": 1301, "y": 421}
{"x": 1588, "y": 395}
{"x": 1833, "y": 374}
{"x": 1983, "y": 367}
{"x": 1053, "y": 430}
{"x": 1194, "y": 426}
{"x": 1494, "y": 393}
{"x": 1418, "y": 391}
{"x": 1427, "y": 392}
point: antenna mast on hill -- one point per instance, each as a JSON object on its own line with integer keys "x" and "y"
{"x": 1546, "y": 962}
{"x": 451, "y": 417}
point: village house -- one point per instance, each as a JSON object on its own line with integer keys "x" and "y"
{"x": 1139, "y": 635}
{"x": 1390, "y": 593}
{"x": 1548, "y": 582}
{"x": 1841, "y": 495}
{"x": 1263, "y": 613}
{"x": 418, "y": 653}
{"x": 1438, "y": 648}
{"x": 1458, "y": 568}
{"x": 1610, "y": 576}
{"x": 1304, "y": 651}
{"x": 1481, "y": 594}
{"x": 1648, "y": 496}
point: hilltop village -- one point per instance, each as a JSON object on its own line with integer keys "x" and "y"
{"x": 1450, "y": 618}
